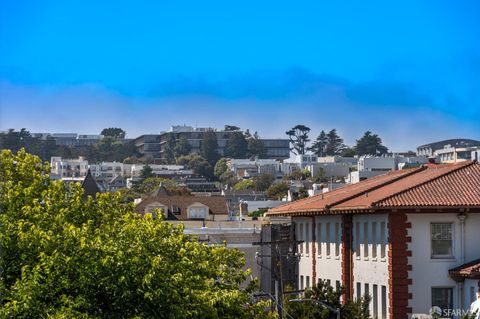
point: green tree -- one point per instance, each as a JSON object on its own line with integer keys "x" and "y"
{"x": 370, "y": 144}
{"x": 169, "y": 148}
{"x": 263, "y": 181}
{"x": 66, "y": 257}
{"x": 335, "y": 144}
{"x": 236, "y": 146}
{"x": 231, "y": 128}
{"x": 255, "y": 146}
{"x": 114, "y": 132}
{"x": 298, "y": 136}
{"x": 319, "y": 146}
{"x": 277, "y": 191}
{"x": 298, "y": 175}
{"x": 198, "y": 164}
{"x": 209, "y": 147}
{"x": 146, "y": 172}
{"x": 244, "y": 184}
{"x": 182, "y": 148}
{"x": 223, "y": 173}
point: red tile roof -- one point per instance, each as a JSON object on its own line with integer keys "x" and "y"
{"x": 444, "y": 185}
{"x": 469, "y": 270}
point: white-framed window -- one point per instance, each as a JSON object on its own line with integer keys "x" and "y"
{"x": 442, "y": 240}
{"x": 442, "y": 297}
{"x": 307, "y": 239}
{"x": 328, "y": 238}
{"x": 197, "y": 212}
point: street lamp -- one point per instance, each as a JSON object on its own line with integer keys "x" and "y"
{"x": 321, "y": 303}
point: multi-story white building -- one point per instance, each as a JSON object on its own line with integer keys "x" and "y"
{"x": 68, "y": 167}
{"x": 242, "y": 168}
{"x": 450, "y": 154}
{"x": 408, "y": 238}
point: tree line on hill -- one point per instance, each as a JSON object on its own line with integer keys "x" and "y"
{"x": 331, "y": 144}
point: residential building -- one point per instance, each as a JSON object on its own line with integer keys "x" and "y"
{"x": 409, "y": 238}
{"x": 148, "y": 144}
{"x": 450, "y": 154}
{"x": 68, "y": 167}
{"x": 246, "y": 168}
{"x": 70, "y": 139}
{"x": 428, "y": 150}
{"x": 175, "y": 206}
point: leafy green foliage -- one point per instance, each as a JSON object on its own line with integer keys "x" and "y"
{"x": 236, "y": 146}
{"x": 244, "y": 184}
{"x": 66, "y": 257}
{"x": 277, "y": 191}
{"x": 298, "y": 136}
{"x": 169, "y": 148}
{"x": 114, "y": 132}
{"x": 319, "y": 145}
{"x": 335, "y": 144}
{"x": 370, "y": 144}
{"x": 182, "y": 148}
{"x": 255, "y": 147}
{"x": 309, "y": 309}
{"x": 223, "y": 173}
{"x": 263, "y": 181}
{"x": 146, "y": 172}
{"x": 209, "y": 147}
{"x": 298, "y": 175}
{"x": 198, "y": 164}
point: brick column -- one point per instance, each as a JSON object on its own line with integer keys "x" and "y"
{"x": 398, "y": 266}
{"x": 314, "y": 253}
{"x": 347, "y": 260}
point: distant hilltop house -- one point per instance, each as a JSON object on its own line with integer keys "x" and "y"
{"x": 430, "y": 148}
{"x": 408, "y": 238}
{"x": 176, "y": 206}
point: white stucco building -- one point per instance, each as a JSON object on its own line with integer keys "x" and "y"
{"x": 409, "y": 239}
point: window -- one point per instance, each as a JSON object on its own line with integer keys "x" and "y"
{"x": 300, "y": 237}
{"x": 375, "y": 301}
{"x": 442, "y": 243}
{"x": 308, "y": 281}
{"x": 359, "y": 291}
{"x": 301, "y": 283}
{"x": 367, "y": 290}
{"x": 319, "y": 239}
{"x": 357, "y": 239}
{"x": 384, "y": 302}
{"x": 197, "y": 212}
{"x": 337, "y": 285}
{"x": 307, "y": 239}
{"x": 329, "y": 282}
{"x": 337, "y": 239}
{"x": 374, "y": 240}
{"x": 443, "y": 298}
{"x": 328, "y": 240}
{"x": 365, "y": 240}
{"x": 383, "y": 240}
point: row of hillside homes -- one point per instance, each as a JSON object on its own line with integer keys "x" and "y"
{"x": 408, "y": 238}
{"x": 104, "y": 172}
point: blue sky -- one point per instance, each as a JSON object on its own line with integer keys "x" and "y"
{"x": 407, "y": 70}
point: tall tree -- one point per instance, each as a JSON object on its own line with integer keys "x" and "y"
{"x": 146, "y": 172}
{"x": 236, "y": 146}
{"x": 370, "y": 144}
{"x": 65, "y": 257}
{"x": 223, "y": 173}
{"x": 182, "y": 148}
{"x": 335, "y": 144}
{"x": 298, "y": 136}
{"x": 318, "y": 147}
{"x": 230, "y": 128}
{"x": 198, "y": 164}
{"x": 256, "y": 147}
{"x": 169, "y": 148}
{"x": 263, "y": 181}
{"x": 209, "y": 147}
{"x": 114, "y": 132}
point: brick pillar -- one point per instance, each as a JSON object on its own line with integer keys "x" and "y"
{"x": 398, "y": 266}
{"x": 347, "y": 261}
{"x": 314, "y": 253}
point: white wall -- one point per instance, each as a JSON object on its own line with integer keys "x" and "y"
{"x": 370, "y": 266}
{"x": 427, "y": 272}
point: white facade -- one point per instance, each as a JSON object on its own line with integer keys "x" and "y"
{"x": 429, "y": 272}
{"x": 68, "y": 167}
{"x": 456, "y": 154}
{"x": 247, "y": 168}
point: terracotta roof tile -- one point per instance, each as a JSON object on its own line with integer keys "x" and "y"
{"x": 440, "y": 185}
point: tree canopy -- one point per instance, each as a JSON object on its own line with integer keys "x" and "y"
{"x": 370, "y": 144}
{"x": 114, "y": 132}
{"x": 319, "y": 145}
{"x": 236, "y": 146}
{"x": 256, "y": 147}
{"x": 198, "y": 164}
{"x": 298, "y": 136}
{"x": 209, "y": 147}
{"x": 66, "y": 257}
